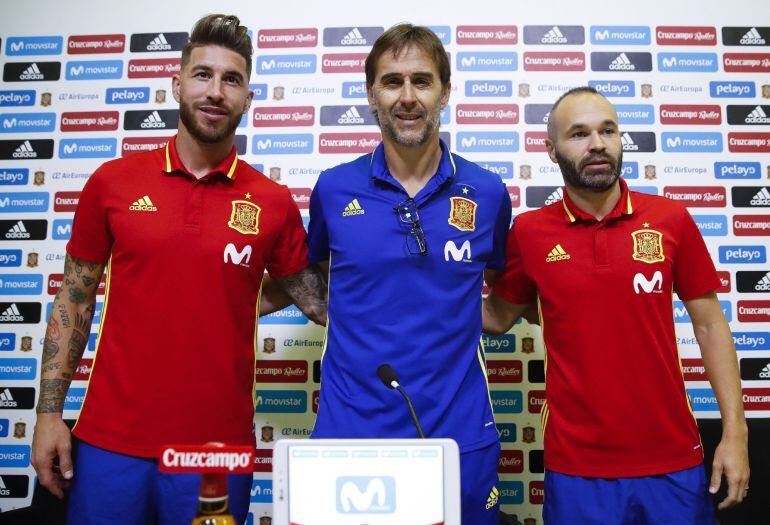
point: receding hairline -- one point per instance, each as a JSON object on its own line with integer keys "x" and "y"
{"x": 551, "y": 125}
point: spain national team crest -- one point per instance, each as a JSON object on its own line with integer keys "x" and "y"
{"x": 245, "y": 217}
{"x": 462, "y": 215}
{"x": 648, "y": 246}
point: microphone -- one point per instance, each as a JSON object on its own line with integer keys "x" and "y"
{"x": 388, "y": 377}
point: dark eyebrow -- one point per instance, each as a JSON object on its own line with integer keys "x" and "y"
{"x": 207, "y": 69}
{"x": 388, "y": 76}
{"x": 580, "y": 125}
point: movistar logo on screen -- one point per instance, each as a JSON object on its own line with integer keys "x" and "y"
{"x": 366, "y": 494}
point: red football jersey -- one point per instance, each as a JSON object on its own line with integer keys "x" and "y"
{"x": 616, "y": 404}
{"x": 175, "y": 356}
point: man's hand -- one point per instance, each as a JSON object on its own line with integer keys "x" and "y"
{"x": 731, "y": 458}
{"x": 51, "y": 453}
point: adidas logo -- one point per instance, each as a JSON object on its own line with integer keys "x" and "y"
{"x": 159, "y": 43}
{"x": 765, "y": 373}
{"x": 12, "y": 315}
{"x": 758, "y": 116}
{"x": 351, "y": 116}
{"x": 6, "y": 399}
{"x": 622, "y": 63}
{"x": 557, "y": 254}
{"x": 25, "y": 151}
{"x": 494, "y": 495}
{"x": 353, "y": 38}
{"x": 628, "y": 143}
{"x": 32, "y": 73}
{"x": 554, "y": 36}
{"x": 762, "y": 198}
{"x": 353, "y": 209}
{"x": 153, "y": 120}
{"x": 18, "y": 231}
{"x": 143, "y": 204}
{"x": 752, "y": 37}
{"x": 556, "y": 196}
{"x": 764, "y": 284}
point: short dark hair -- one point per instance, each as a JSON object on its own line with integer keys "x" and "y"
{"x": 574, "y": 91}
{"x": 397, "y": 38}
{"x": 220, "y": 30}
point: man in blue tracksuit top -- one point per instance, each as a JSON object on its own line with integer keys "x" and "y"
{"x": 408, "y": 232}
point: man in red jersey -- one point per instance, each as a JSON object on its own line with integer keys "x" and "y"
{"x": 621, "y": 443}
{"x": 186, "y": 233}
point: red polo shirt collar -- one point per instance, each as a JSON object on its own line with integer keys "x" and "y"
{"x": 226, "y": 168}
{"x": 623, "y": 207}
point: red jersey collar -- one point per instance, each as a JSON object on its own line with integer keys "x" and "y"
{"x": 172, "y": 163}
{"x": 624, "y": 207}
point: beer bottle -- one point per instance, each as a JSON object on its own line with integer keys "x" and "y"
{"x": 212, "y": 501}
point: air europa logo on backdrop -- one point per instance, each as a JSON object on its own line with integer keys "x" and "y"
{"x": 33, "y": 45}
{"x": 94, "y": 70}
{"x": 281, "y": 401}
{"x": 688, "y": 62}
{"x": 285, "y": 64}
{"x": 486, "y": 35}
{"x": 686, "y": 36}
{"x": 92, "y": 44}
{"x": 27, "y": 122}
{"x": 157, "y": 42}
{"x": 620, "y": 35}
{"x": 276, "y": 38}
{"x": 351, "y": 36}
{"x": 487, "y": 61}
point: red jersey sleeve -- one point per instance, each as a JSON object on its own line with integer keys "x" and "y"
{"x": 514, "y": 285}
{"x": 694, "y": 272}
{"x": 290, "y": 251}
{"x": 91, "y": 238}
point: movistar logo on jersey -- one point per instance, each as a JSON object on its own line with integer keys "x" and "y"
{"x": 365, "y": 494}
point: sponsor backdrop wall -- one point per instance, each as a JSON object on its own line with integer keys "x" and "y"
{"x": 88, "y": 83}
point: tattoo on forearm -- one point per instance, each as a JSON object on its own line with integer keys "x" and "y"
{"x": 78, "y": 339}
{"x": 50, "y": 349}
{"x": 53, "y": 329}
{"x": 88, "y": 281}
{"x": 52, "y": 366}
{"x": 65, "y": 317}
{"x": 52, "y": 395}
{"x": 77, "y": 295}
{"x": 308, "y": 291}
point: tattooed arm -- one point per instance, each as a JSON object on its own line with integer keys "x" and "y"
{"x": 64, "y": 343}
{"x": 306, "y": 288}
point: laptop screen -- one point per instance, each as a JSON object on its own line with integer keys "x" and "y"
{"x": 372, "y": 484}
